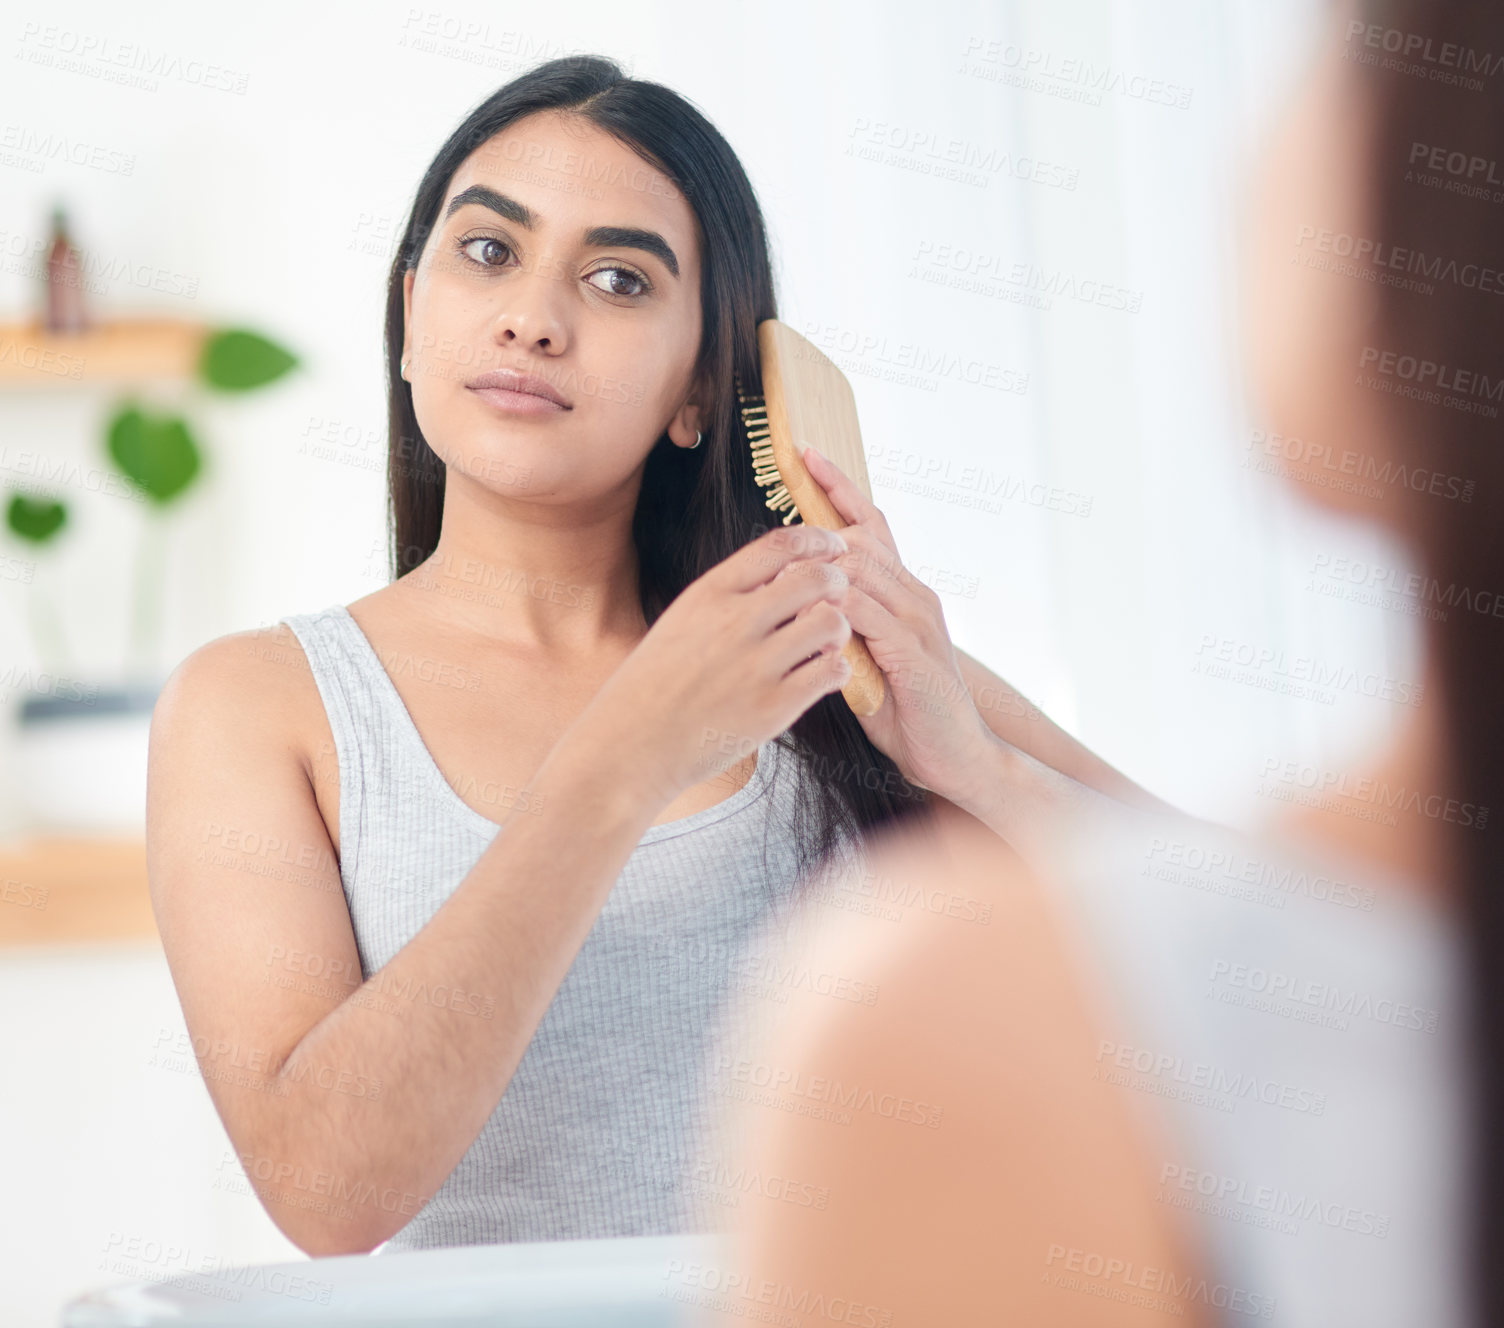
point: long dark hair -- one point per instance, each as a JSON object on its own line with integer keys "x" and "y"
{"x": 1447, "y": 93}
{"x": 696, "y": 507}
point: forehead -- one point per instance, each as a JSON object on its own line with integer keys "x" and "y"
{"x": 574, "y": 175}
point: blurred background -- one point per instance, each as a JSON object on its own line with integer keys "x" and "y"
{"x": 1014, "y": 225}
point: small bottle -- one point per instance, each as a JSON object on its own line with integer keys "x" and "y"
{"x": 65, "y": 281}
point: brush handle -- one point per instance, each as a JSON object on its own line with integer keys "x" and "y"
{"x": 823, "y": 405}
{"x": 865, "y": 689}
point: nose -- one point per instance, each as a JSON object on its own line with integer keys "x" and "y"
{"x": 530, "y": 312}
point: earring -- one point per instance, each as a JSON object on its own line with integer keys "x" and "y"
{"x": 402, "y": 373}
{"x": 696, "y": 442}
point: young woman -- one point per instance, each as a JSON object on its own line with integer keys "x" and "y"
{"x": 452, "y": 880}
{"x": 1188, "y": 1074}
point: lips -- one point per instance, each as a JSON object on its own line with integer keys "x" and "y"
{"x": 511, "y": 381}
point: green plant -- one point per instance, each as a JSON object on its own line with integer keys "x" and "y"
{"x": 35, "y": 520}
{"x": 39, "y": 521}
{"x": 159, "y": 455}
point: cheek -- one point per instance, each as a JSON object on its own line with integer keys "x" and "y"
{"x": 640, "y": 377}
{"x": 623, "y": 381}
{"x": 450, "y": 330}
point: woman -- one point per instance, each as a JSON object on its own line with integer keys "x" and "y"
{"x": 1186, "y": 1073}
{"x": 453, "y": 880}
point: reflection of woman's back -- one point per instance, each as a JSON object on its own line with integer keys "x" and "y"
{"x": 1185, "y": 1075}
{"x": 1298, "y": 1021}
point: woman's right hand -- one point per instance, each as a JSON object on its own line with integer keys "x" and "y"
{"x": 728, "y": 664}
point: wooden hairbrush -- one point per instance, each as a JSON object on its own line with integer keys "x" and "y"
{"x": 806, "y": 399}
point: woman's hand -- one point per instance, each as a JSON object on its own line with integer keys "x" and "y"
{"x": 738, "y": 656}
{"x": 927, "y": 724}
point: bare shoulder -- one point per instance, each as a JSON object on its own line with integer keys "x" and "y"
{"x": 253, "y": 687}
{"x": 240, "y": 724}
{"x": 984, "y": 1172}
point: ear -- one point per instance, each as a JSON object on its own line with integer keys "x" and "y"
{"x": 407, "y": 312}
{"x": 690, "y": 418}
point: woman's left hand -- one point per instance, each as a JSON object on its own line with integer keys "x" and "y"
{"x": 927, "y": 724}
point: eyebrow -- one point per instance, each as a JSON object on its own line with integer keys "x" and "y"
{"x": 631, "y": 237}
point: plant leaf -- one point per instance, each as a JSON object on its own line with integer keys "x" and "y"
{"x": 156, "y": 453}
{"x": 35, "y": 519}
{"x": 237, "y": 359}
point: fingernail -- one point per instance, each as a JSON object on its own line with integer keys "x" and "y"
{"x": 808, "y": 448}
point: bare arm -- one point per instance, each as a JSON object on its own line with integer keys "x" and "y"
{"x": 1021, "y": 724}
{"x": 350, "y": 1101}
{"x": 350, "y": 1098}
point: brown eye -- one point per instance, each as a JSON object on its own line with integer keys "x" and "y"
{"x": 622, "y": 281}
{"x": 467, "y": 245}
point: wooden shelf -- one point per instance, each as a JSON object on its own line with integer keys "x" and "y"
{"x": 57, "y": 890}
{"x": 113, "y": 351}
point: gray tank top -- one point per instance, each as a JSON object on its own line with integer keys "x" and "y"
{"x": 593, "y": 1136}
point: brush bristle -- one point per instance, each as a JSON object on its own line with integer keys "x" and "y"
{"x": 754, "y": 411}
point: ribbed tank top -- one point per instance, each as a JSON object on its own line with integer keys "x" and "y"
{"x": 594, "y": 1135}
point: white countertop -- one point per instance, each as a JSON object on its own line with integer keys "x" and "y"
{"x": 635, "y": 1282}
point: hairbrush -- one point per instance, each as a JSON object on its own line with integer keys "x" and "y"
{"x": 805, "y": 399}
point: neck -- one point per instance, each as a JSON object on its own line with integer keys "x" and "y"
{"x": 544, "y": 578}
